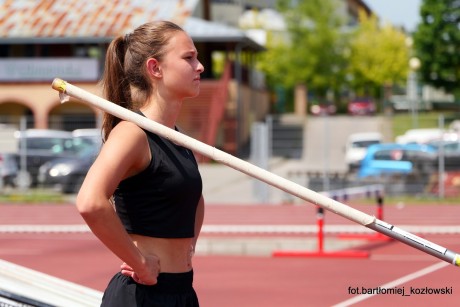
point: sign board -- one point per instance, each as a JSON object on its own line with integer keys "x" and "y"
{"x": 45, "y": 69}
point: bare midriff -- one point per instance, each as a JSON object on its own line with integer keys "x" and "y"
{"x": 175, "y": 254}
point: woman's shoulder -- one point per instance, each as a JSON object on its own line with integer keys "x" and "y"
{"x": 126, "y": 134}
{"x": 127, "y": 129}
{"x": 127, "y": 142}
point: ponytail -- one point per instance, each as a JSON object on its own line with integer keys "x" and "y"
{"x": 125, "y": 80}
{"x": 115, "y": 86}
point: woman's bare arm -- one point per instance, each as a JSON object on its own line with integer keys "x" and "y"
{"x": 124, "y": 154}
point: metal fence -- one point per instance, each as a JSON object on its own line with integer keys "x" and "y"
{"x": 423, "y": 185}
{"x": 426, "y": 185}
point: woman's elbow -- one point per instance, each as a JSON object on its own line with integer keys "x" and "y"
{"x": 89, "y": 204}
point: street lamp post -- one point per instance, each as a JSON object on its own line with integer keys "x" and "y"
{"x": 412, "y": 93}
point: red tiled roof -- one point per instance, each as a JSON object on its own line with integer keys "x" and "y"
{"x": 85, "y": 18}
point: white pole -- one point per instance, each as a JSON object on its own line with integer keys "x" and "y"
{"x": 441, "y": 161}
{"x": 66, "y": 89}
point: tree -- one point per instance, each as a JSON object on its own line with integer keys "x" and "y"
{"x": 314, "y": 52}
{"x": 379, "y": 56}
{"x": 437, "y": 44}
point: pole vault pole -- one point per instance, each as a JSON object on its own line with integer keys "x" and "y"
{"x": 67, "y": 90}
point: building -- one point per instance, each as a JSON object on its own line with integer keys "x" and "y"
{"x": 230, "y": 11}
{"x": 41, "y": 40}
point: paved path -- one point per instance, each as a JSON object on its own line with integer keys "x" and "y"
{"x": 225, "y": 185}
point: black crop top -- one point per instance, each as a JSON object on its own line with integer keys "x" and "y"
{"x": 161, "y": 200}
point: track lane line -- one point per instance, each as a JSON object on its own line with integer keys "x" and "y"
{"x": 395, "y": 283}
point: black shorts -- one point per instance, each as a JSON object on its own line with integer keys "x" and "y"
{"x": 172, "y": 289}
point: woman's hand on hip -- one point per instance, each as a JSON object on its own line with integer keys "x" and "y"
{"x": 147, "y": 276}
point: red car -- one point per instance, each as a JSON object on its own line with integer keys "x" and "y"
{"x": 323, "y": 109}
{"x": 361, "y": 107}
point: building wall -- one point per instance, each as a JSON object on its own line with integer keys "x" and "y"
{"x": 39, "y": 101}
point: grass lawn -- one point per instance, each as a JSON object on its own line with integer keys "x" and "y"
{"x": 412, "y": 200}
{"x": 31, "y": 196}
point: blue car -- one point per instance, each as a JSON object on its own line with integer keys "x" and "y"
{"x": 391, "y": 158}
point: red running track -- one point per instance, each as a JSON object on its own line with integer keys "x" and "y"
{"x": 256, "y": 281}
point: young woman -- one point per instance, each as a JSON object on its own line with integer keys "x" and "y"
{"x": 143, "y": 195}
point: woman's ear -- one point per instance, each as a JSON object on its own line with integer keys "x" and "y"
{"x": 153, "y": 68}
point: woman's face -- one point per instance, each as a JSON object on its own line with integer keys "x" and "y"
{"x": 180, "y": 68}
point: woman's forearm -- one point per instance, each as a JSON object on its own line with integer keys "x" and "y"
{"x": 106, "y": 226}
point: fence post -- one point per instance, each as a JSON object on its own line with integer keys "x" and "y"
{"x": 260, "y": 157}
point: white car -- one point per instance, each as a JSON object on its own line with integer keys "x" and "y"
{"x": 420, "y": 136}
{"x": 356, "y": 147}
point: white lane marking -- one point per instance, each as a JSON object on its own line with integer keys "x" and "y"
{"x": 235, "y": 229}
{"x": 395, "y": 283}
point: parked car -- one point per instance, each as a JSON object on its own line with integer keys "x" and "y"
{"x": 323, "y": 108}
{"x": 447, "y": 146}
{"x": 450, "y": 152}
{"x": 362, "y": 106}
{"x": 8, "y": 169}
{"x": 391, "y": 158}
{"x": 91, "y": 137}
{"x": 88, "y": 135}
{"x": 39, "y": 146}
{"x": 67, "y": 174}
{"x": 420, "y": 136}
{"x": 356, "y": 147}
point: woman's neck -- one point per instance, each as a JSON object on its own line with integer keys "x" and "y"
{"x": 165, "y": 113}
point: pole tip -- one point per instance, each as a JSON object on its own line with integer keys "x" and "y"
{"x": 59, "y": 85}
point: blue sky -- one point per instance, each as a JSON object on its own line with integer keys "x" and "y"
{"x": 397, "y": 12}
